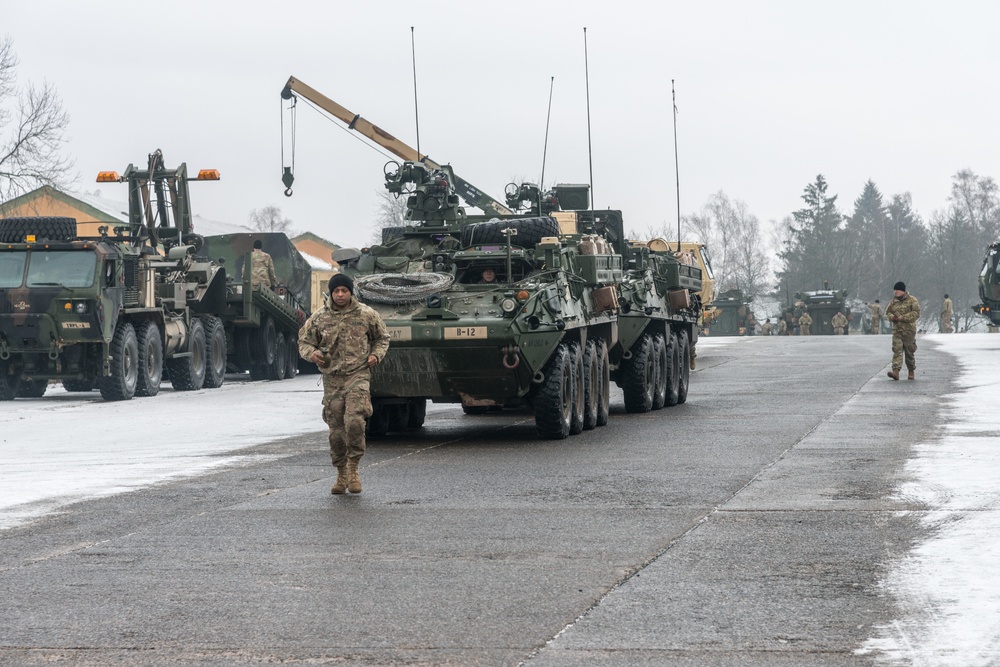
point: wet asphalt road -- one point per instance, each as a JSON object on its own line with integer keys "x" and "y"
{"x": 746, "y": 527}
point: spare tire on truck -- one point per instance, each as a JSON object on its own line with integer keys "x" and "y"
{"x": 49, "y": 228}
{"x": 530, "y": 231}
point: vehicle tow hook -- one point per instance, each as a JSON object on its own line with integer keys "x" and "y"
{"x": 511, "y": 359}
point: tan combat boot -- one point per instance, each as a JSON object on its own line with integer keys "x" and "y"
{"x": 692, "y": 363}
{"x": 894, "y": 374}
{"x": 353, "y": 478}
{"x": 341, "y": 484}
{"x": 910, "y": 375}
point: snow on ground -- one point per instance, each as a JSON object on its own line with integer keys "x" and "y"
{"x": 947, "y": 586}
{"x": 65, "y": 447}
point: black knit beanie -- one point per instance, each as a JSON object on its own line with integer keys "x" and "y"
{"x": 341, "y": 280}
{"x": 900, "y": 286}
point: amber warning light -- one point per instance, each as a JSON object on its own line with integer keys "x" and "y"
{"x": 208, "y": 175}
{"x": 108, "y": 177}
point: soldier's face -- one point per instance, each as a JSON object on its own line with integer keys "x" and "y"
{"x": 898, "y": 292}
{"x": 341, "y": 296}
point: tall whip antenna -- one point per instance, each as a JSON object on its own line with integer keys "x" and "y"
{"x": 545, "y": 149}
{"x": 677, "y": 172}
{"x": 416, "y": 111}
{"x": 590, "y": 153}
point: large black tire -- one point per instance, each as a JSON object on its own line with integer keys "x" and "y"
{"x": 591, "y": 385}
{"x": 576, "y": 359}
{"x": 475, "y": 409}
{"x": 418, "y": 413}
{"x": 378, "y": 424}
{"x": 603, "y": 384}
{"x": 8, "y": 383}
{"x": 265, "y": 340}
{"x": 150, "y": 360}
{"x": 639, "y": 374}
{"x": 399, "y": 416}
{"x": 51, "y": 228}
{"x": 188, "y": 373}
{"x": 86, "y": 384}
{"x": 292, "y": 363}
{"x": 684, "y": 377}
{"x": 243, "y": 338}
{"x": 32, "y": 388}
{"x": 674, "y": 371}
{"x": 554, "y": 397}
{"x": 215, "y": 351}
{"x": 276, "y": 369}
{"x": 661, "y": 368}
{"x": 121, "y": 383}
{"x": 529, "y": 232}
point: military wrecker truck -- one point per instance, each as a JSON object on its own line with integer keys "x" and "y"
{"x": 118, "y": 311}
{"x": 544, "y": 308}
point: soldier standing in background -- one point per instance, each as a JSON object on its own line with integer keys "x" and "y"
{"x": 765, "y": 329}
{"x": 903, "y": 311}
{"x": 839, "y": 323}
{"x": 947, "y": 315}
{"x": 261, "y": 267}
{"x": 805, "y": 322}
{"x": 876, "y": 311}
{"x": 346, "y": 339}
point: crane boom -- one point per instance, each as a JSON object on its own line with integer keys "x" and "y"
{"x": 467, "y": 191}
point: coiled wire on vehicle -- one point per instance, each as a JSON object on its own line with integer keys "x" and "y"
{"x": 400, "y": 288}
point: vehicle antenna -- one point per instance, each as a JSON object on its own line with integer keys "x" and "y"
{"x": 416, "y": 112}
{"x": 677, "y": 173}
{"x": 590, "y": 157}
{"x": 545, "y": 148}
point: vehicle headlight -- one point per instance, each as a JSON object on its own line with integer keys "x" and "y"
{"x": 508, "y": 305}
{"x": 80, "y": 307}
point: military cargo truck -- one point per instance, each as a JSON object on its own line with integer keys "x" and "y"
{"x": 123, "y": 310}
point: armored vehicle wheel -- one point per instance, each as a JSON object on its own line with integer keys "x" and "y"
{"x": 661, "y": 370}
{"x": 121, "y": 383}
{"x": 150, "y": 360}
{"x": 529, "y": 231}
{"x": 603, "y": 384}
{"x": 576, "y": 359}
{"x": 418, "y": 413}
{"x": 14, "y": 230}
{"x": 215, "y": 351}
{"x": 554, "y": 397}
{"x": 242, "y": 338}
{"x": 86, "y": 384}
{"x": 639, "y": 374}
{"x": 292, "y": 365}
{"x": 591, "y": 393}
{"x": 276, "y": 369}
{"x": 378, "y": 423}
{"x": 8, "y": 383}
{"x": 264, "y": 342}
{"x": 399, "y": 416}
{"x": 188, "y": 373}
{"x": 674, "y": 370}
{"x": 684, "y": 377}
{"x": 32, "y": 388}
{"x": 258, "y": 372}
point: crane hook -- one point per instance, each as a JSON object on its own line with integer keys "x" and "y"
{"x": 287, "y": 179}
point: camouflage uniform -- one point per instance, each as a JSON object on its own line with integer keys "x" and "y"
{"x": 876, "y": 313}
{"x": 262, "y": 269}
{"x": 947, "y": 313}
{"x": 805, "y": 321}
{"x": 904, "y": 330}
{"x": 839, "y": 323}
{"x": 765, "y": 329}
{"x": 346, "y": 337}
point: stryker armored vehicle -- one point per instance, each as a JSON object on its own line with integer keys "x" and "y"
{"x": 118, "y": 311}
{"x": 544, "y": 308}
{"x": 729, "y": 315}
{"x": 989, "y": 286}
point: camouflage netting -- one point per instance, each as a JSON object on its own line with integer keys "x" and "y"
{"x": 400, "y": 288}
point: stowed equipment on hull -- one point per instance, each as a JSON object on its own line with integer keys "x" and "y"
{"x": 544, "y": 308}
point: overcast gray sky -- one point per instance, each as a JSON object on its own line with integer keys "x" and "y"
{"x": 770, "y": 94}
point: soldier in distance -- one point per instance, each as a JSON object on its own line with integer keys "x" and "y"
{"x": 839, "y": 323}
{"x": 345, "y": 339}
{"x": 261, "y": 267}
{"x": 876, "y": 314}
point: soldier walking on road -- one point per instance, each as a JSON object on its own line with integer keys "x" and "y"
{"x": 261, "y": 267}
{"x": 765, "y": 329}
{"x": 805, "y": 322}
{"x": 903, "y": 311}
{"x": 876, "y": 312}
{"x": 947, "y": 315}
{"x": 839, "y": 323}
{"x": 345, "y": 339}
